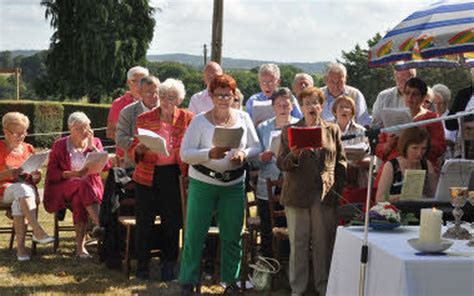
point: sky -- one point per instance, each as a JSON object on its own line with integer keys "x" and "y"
{"x": 272, "y": 30}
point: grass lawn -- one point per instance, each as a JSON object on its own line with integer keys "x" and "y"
{"x": 60, "y": 273}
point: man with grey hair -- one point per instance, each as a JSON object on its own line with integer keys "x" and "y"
{"x": 148, "y": 99}
{"x": 269, "y": 80}
{"x": 133, "y": 77}
{"x": 335, "y": 80}
{"x": 391, "y": 97}
{"x": 300, "y": 82}
{"x": 201, "y": 101}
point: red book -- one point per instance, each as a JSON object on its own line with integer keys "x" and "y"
{"x": 304, "y": 137}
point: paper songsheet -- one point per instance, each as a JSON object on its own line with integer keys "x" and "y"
{"x": 395, "y": 116}
{"x": 34, "y": 162}
{"x": 356, "y": 151}
{"x": 274, "y": 143}
{"x": 153, "y": 141}
{"x": 261, "y": 111}
{"x": 413, "y": 183}
{"x": 227, "y": 137}
{"x": 95, "y": 162}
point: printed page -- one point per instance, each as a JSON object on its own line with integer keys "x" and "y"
{"x": 356, "y": 151}
{"x": 34, "y": 162}
{"x": 261, "y": 111}
{"x": 227, "y": 137}
{"x": 96, "y": 162}
{"x": 413, "y": 183}
{"x": 395, "y": 116}
{"x": 275, "y": 139}
{"x": 153, "y": 141}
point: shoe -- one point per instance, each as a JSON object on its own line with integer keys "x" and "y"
{"x": 98, "y": 232}
{"x": 84, "y": 256}
{"x": 23, "y": 258}
{"x": 232, "y": 289}
{"x": 46, "y": 240}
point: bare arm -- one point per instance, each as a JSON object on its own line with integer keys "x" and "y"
{"x": 385, "y": 182}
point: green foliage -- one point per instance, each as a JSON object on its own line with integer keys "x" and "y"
{"x": 95, "y": 43}
{"x": 6, "y": 60}
{"x": 44, "y": 117}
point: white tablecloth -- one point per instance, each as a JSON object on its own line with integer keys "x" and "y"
{"x": 394, "y": 269}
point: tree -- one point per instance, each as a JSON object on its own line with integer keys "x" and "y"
{"x": 6, "y": 60}
{"x": 95, "y": 43}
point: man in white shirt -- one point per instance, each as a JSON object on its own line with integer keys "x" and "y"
{"x": 335, "y": 80}
{"x": 391, "y": 97}
{"x": 201, "y": 101}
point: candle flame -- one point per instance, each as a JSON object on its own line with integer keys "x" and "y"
{"x": 434, "y": 209}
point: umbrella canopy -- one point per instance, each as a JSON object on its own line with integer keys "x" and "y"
{"x": 440, "y": 35}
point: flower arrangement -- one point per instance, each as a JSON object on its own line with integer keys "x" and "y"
{"x": 385, "y": 212}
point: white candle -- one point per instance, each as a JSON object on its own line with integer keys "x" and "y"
{"x": 430, "y": 225}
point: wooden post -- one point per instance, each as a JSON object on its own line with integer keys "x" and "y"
{"x": 217, "y": 27}
{"x": 17, "y": 74}
{"x": 205, "y": 55}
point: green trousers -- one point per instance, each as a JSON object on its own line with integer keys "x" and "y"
{"x": 203, "y": 200}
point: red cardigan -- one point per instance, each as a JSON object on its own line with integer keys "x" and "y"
{"x": 150, "y": 120}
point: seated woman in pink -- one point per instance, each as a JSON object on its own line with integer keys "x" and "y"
{"x": 68, "y": 182}
{"x": 18, "y": 189}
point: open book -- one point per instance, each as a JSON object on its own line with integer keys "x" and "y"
{"x": 95, "y": 162}
{"x": 227, "y": 137}
{"x": 153, "y": 141}
{"x": 34, "y": 162}
{"x": 261, "y": 111}
{"x": 274, "y": 143}
{"x": 413, "y": 184}
{"x": 304, "y": 137}
{"x": 395, "y": 116}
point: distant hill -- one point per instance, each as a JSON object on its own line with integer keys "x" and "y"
{"x": 231, "y": 63}
{"x": 197, "y": 61}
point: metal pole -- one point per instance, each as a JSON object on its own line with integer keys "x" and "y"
{"x": 217, "y": 27}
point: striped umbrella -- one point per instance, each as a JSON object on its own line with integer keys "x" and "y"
{"x": 441, "y": 35}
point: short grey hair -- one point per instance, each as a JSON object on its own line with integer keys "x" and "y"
{"x": 271, "y": 69}
{"x": 137, "y": 70}
{"x": 77, "y": 118}
{"x": 442, "y": 91}
{"x": 147, "y": 80}
{"x": 335, "y": 68}
{"x": 281, "y": 92}
{"x": 172, "y": 85}
{"x": 303, "y": 75}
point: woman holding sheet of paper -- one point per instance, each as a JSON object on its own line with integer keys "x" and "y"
{"x": 313, "y": 180}
{"x": 269, "y": 132}
{"x": 157, "y": 177}
{"x": 17, "y": 188}
{"x": 68, "y": 180}
{"x": 413, "y": 147}
{"x": 216, "y": 183}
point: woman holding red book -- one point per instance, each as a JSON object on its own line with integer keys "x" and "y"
{"x": 313, "y": 180}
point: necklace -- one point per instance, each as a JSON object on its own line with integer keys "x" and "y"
{"x": 225, "y": 123}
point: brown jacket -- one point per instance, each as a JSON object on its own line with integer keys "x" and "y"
{"x": 315, "y": 173}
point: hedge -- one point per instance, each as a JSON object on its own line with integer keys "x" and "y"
{"x": 46, "y": 117}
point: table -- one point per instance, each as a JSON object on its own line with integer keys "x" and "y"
{"x": 394, "y": 269}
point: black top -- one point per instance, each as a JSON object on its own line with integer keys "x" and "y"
{"x": 459, "y": 104}
{"x": 397, "y": 182}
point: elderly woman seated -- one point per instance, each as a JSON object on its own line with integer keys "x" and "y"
{"x": 16, "y": 188}
{"x": 68, "y": 184}
{"x": 413, "y": 147}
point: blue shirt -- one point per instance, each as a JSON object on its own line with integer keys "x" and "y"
{"x": 267, "y": 169}
{"x": 362, "y": 116}
{"x": 296, "y": 112}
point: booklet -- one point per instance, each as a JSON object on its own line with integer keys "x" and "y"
{"x": 304, "y": 137}
{"x": 153, "y": 141}
{"x": 227, "y": 137}
{"x": 395, "y": 116}
{"x": 413, "y": 183}
{"x": 274, "y": 143}
{"x": 356, "y": 152}
{"x": 34, "y": 162}
{"x": 96, "y": 162}
{"x": 261, "y": 111}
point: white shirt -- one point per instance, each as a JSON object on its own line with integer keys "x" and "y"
{"x": 470, "y": 104}
{"x": 197, "y": 142}
{"x": 200, "y": 102}
{"x": 448, "y": 135}
{"x": 389, "y": 98}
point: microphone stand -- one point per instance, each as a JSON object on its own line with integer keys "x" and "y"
{"x": 372, "y": 135}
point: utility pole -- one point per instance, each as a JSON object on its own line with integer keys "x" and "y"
{"x": 205, "y": 55}
{"x": 217, "y": 27}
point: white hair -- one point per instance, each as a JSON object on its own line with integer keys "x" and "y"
{"x": 172, "y": 85}
{"x": 442, "y": 91}
{"x": 303, "y": 75}
{"x": 77, "y": 118}
{"x": 137, "y": 70}
{"x": 335, "y": 68}
{"x": 271, "y": 69}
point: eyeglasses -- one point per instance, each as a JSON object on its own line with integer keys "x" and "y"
{"x": 428, "y": 102}
{"x": 151, "y": 93}
{"x": 311, "y": 104}
{"x": 268, "y": 83}
{"x": 223, "y": 97}
{"x": 17, "y": 134}
{"x": 169, "y": 98}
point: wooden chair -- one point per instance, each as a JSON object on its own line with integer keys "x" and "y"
{"x": 252, "y": 221}
{"x": 58, "y": 227}
{"x": 279, "y": 233}
{"x": 129, "y": 222}
{"x": 214, "y": 232}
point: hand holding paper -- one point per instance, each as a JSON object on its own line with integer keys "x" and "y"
{"x": 95, "y": 162}
{"x": 34, "y": 162}
{"x": 305, "y": 137}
